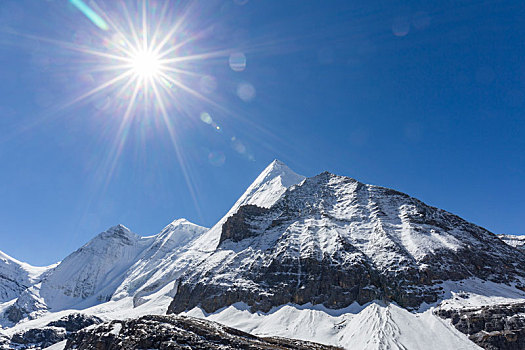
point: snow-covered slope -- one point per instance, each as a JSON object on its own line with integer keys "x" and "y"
{"x": 159, "y": 264}
{"x": 115, "y": 264}
{"x": 373, "y": 326}
{"x": 16, "y": 276}
{"x": 514, "y": 241}
{"x": 95, "y": 270}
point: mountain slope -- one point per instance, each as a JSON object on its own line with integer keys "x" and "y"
{"x": 155, "y": 267}
{"x": 118, "y": 263}
{"x": 267, "y": 188}
{"x": 332, "y": 240}
{"x": 16, "y": 276}
{"x": 94, "y": 270}
{"x": 113, "y": 265}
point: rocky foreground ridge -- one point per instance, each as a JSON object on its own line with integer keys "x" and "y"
{"x": 493, "y": 327}
{"x": 177, "y": 332}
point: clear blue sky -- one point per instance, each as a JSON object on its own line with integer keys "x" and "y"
{"x": 427, "y": 97}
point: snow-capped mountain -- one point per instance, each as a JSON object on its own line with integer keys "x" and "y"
{"x": 326, "y": 259}
{"x": 267, "y": 188}
{"x": 118, "y": 263}
{"x": 17, "y": 276}
{"x": 114, "y": 264}
{"x": 333, "y": 240}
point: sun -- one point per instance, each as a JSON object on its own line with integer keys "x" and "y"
{"x": 146, "y": 64}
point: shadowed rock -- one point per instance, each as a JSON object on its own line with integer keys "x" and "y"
{"x": 177, "y": 332}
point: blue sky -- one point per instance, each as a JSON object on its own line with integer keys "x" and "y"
{"x": 426, "y": 97}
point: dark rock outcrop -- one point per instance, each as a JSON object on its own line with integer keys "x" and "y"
{"x": 332, "y": 240}
{"x": 240, "y": 226}
{"x": 75, "y": 322}
{"x": 39, "y": 337}
{"x": 493, "y": 327}
{"x": 52, "y": 333}
{"x": 176, "y": 332}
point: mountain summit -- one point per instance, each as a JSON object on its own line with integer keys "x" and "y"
{"x": 333, "y": 240}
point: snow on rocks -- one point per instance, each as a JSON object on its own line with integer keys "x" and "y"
{"x": 334, "y": 240}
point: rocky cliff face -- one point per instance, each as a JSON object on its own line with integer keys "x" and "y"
{"x": 177, "y": 332}
{"x": 332, "y": 240}
{"x": 493, "y": 327}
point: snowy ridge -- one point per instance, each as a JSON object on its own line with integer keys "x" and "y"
{"x": 160, "y": 263}
{"x": 267, "y": 188}
{"x": 514, "y": 241}
{"x": 372, "y": 326}
{"x": 16, "y": 276}
{"x": 115, "y": 264}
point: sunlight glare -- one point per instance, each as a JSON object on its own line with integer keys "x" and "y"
{"x": 146, "y": 64}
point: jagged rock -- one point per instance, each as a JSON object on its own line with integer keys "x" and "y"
{"x": 28, "y": 305}
{"x": 176, "y": 332}
{"x": 493, "y": 327}
{"x": 238, "y": 226}
{"x": 53, "y": 332}
{"x": 40, "y": 337}
{"x": 75, "y": 322}
{"x": 4, "y": 342}
{"x": 14, "y": 314}
{"x": 332, "y": 240}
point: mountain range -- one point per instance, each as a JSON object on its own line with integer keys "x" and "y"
{"x": 325, "y": 258}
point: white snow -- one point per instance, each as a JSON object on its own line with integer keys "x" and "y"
{"x": 58, "y": 346}
{"x": 372, "y": 326}
{"x": 516, "y": 241}
{"x": 16, "y": 276}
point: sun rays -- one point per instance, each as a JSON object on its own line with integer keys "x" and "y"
{"x": 144, "y": 60}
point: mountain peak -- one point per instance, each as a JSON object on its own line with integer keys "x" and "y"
{"x": 270, "y": 185}
{"x": 329, "y": 228}
{"x": 278, "y": 169}
{"x": 267, "y": 188}
{"x": 181, "y": 221}
{"x": 118, "y": 228}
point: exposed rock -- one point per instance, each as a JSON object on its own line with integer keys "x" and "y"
{"x": 239, "y": 226}
{"x": 14, "y": 314}
{"x": 53, "y": 332}
{"x": 75, "y": 322}
{"x": 332, "y": 240}
{"x": 40, "y": 337}
{"x": 493, "y": 327}
{"x": 176, "y": 332}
